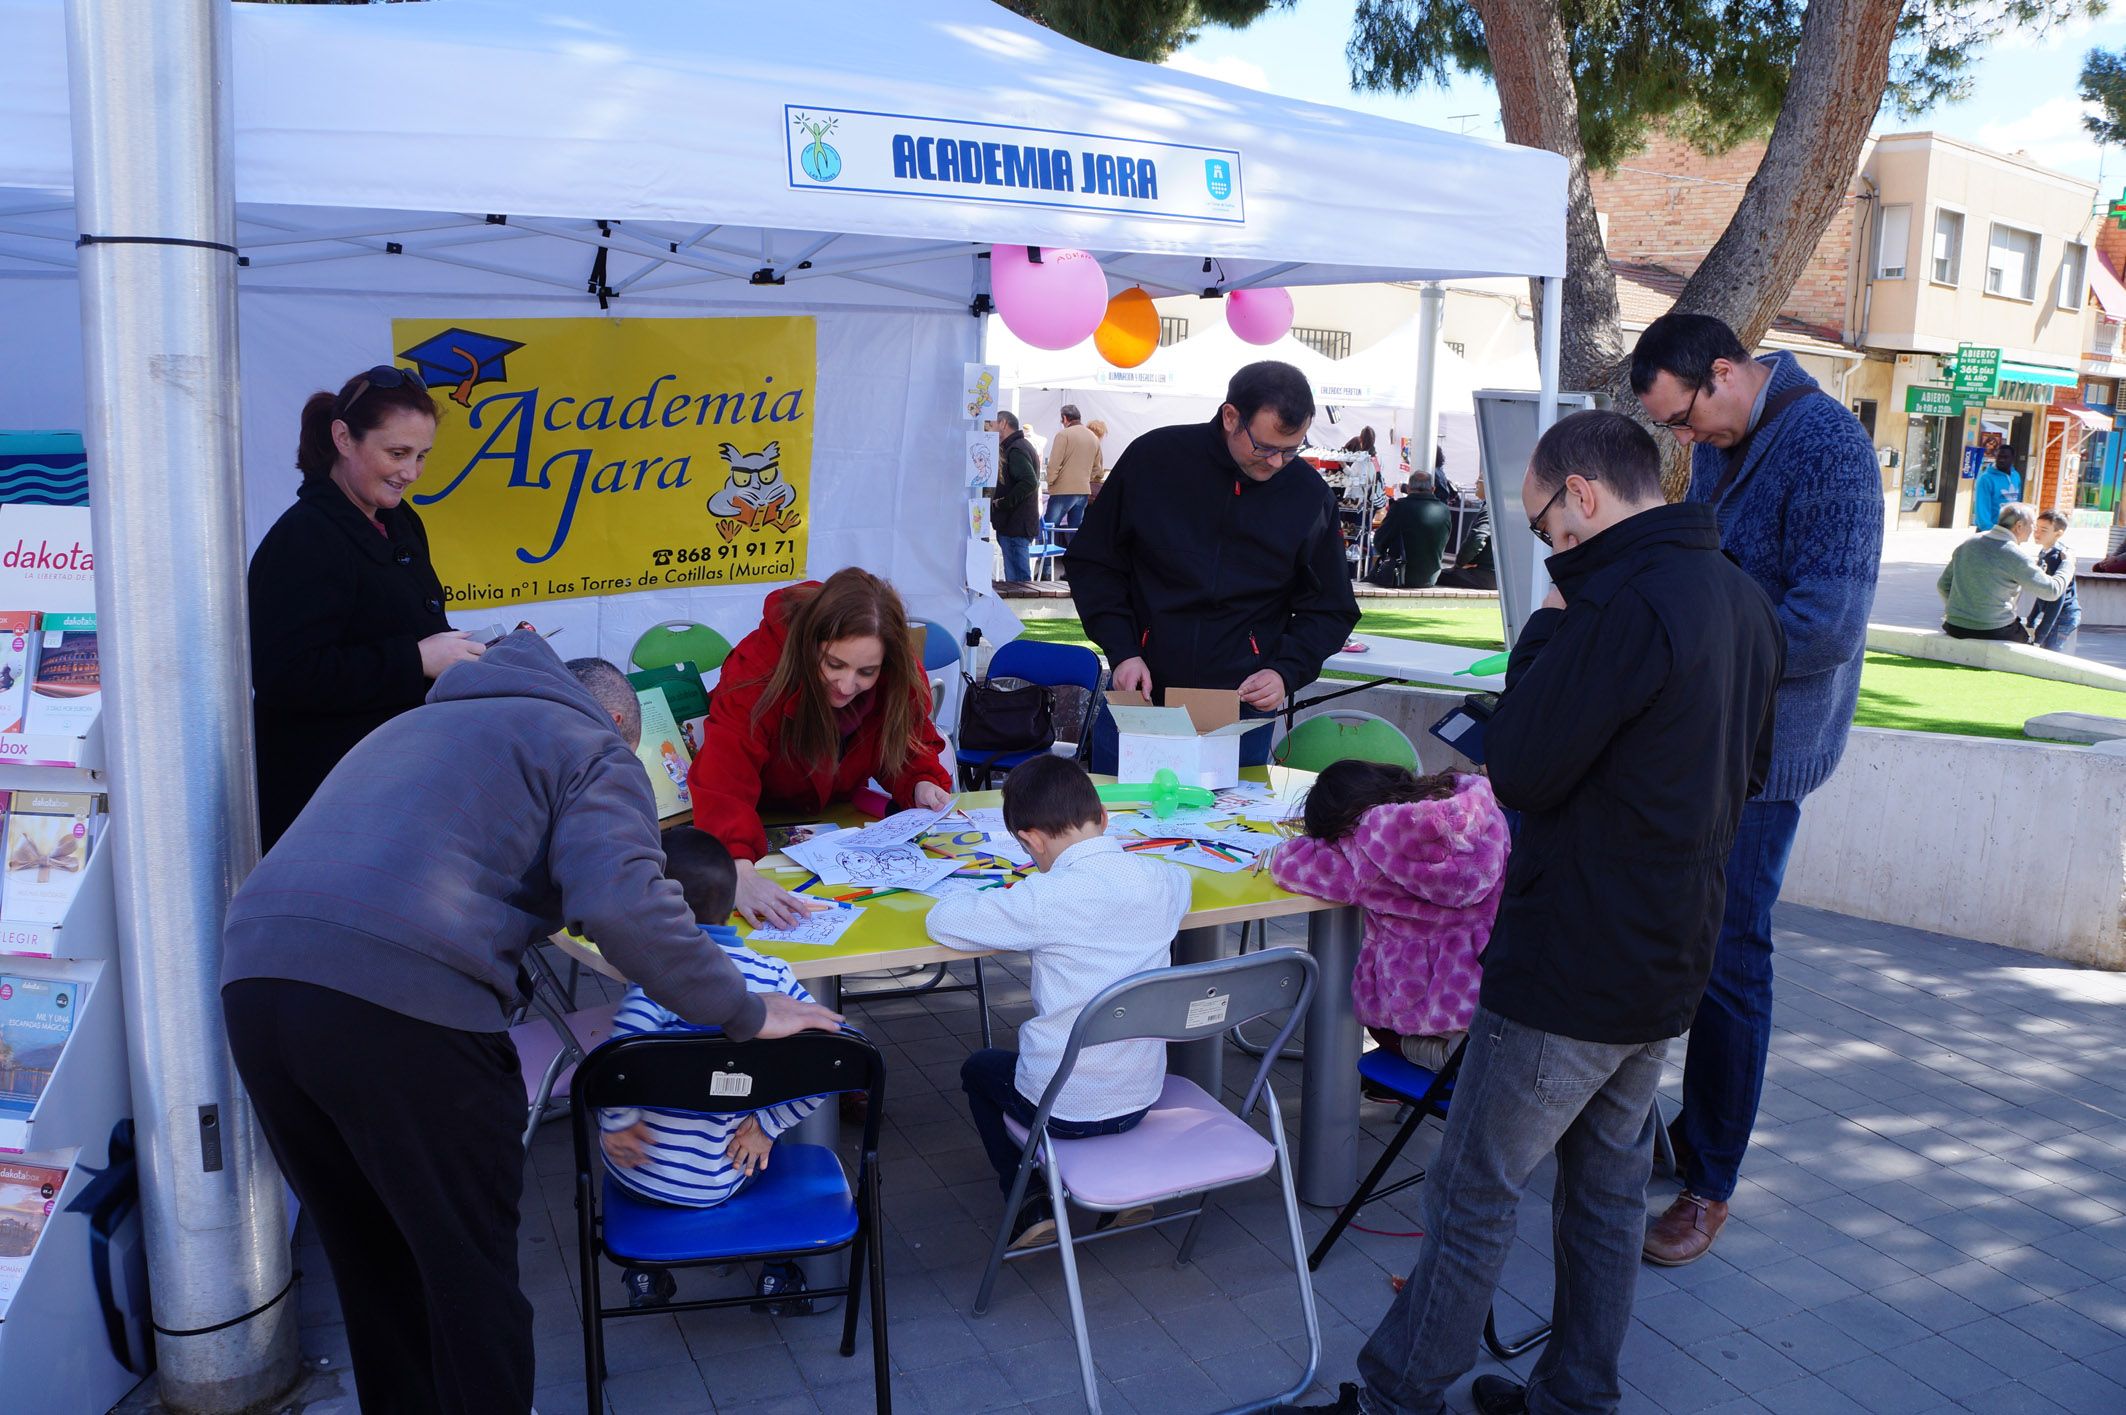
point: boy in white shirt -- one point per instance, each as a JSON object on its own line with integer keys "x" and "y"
{"x": 1094, "y": 915}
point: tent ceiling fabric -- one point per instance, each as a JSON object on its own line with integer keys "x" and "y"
{"x": 670, "y": 122}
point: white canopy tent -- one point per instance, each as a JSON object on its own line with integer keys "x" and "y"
{"x": 470, "y": 159}
{"x": 637, "y": 159}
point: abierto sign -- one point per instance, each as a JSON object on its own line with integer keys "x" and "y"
{"x": 902, "y": 155}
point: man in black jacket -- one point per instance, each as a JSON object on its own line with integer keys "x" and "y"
{"x": 1637, "y": 718}
{"x": 1212, "y": 557}
{"x": 1015, "y": 512}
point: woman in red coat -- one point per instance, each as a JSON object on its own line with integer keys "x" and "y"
{"x": 824, "y": 696}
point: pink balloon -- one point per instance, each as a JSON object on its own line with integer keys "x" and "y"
{"x": 1260, "y": 316}
{"x": 1055, "y": 304}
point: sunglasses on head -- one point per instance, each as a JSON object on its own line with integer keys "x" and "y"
{"x": 382, "y": 376}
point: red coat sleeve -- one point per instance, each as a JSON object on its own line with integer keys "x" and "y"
{"x": 725, "y": 779}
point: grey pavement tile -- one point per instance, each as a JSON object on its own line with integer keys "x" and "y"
{"x": 674, "y": 1389}
{"x": 2016, "y": 1398}
{"x": 2076, "y": 1386}
{"x": 736, "y": 1377}
{"x": 1133, "y": 1349}
{"x": 1882, "y": 1387}
{"x": 1929, "y": 1303}
{"x": 1745, "y": 1362}
{"x": 1945, "y": 1366}
{"x": 2004, "y": 1346}
{"x": 1810, "y": 1395}
{"x": 1990, "y": 1288}
{"x": 1746, "y": 1300}
{"x": 1810, "y": 1342}
{"x": 1682, "y": 1319}
{"x": 1866, "y": 1268}
{"x": 976, "y": 1383}
{"x": 2063, "y": 1328}
{"x": 1679, "y": 1383}
{"x": 1872, "y": 1323}
{"x": 1806, "y": 1282}
{"x": 1171, "y": 1389}
{"x": 2049, "y": 1273}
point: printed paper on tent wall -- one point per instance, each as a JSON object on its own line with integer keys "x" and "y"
{"x": 980, "y": 397}
{"x": 981, "y": 465}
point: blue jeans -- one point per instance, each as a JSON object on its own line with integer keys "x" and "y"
{"x": 988, "y": 1078}
{"x": 1066, "y": 510}
{"x": 2053, "y": 622}
{"x": 1522, "y": 1094}
{"x": 1107, "y": 743}
{"x": 1017, "y": 564}
{"x": 1723, "y": 1069}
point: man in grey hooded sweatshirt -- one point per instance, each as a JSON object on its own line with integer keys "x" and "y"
{"x": 369, "y": 967}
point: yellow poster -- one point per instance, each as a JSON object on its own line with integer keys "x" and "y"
{"x": 595, "y": 456}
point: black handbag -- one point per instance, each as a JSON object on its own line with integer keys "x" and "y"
{"x": 1007, "y": 715}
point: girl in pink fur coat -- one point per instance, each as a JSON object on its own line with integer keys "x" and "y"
{"x": 1424, "y": 857}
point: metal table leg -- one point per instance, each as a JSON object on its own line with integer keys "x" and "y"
{"x": 1202, "y": 1062}
{"x": 1328, "y": 1115}
{"x": 823, "y": 1127}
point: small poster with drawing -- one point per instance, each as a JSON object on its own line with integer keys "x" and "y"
{"x": 981, "y": 468}
{"x": 979, "y": 399}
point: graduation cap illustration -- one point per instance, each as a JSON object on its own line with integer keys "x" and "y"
{"x": 463, "y": 357}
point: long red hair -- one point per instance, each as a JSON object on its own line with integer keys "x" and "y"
{"x": 849, "y": 604}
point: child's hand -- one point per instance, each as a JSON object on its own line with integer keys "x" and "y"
{"x": 749, "y": 1147}
{"x": 627, "y": 1148}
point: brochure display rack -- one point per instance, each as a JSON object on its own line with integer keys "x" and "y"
{"x": 74, "y": 1317}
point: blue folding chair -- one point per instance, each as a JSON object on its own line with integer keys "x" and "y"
{"x": 800, "y": 1206}
{"x": 1051, "y": 666}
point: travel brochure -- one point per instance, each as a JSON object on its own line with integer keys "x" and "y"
{"x": 51, "y": 677}
{"x": 28, "y": 1193}
{"x": 36, "y": 1017}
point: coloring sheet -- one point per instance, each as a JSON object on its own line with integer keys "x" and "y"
{"x": 781, "y": 837}
{"x": 965, "y": 884}
{"x": 896, "y": 867}
{"x": 961, "y": 842}
{"x": 896, "y": 829}
{"x": 988, "y": 819}
{"x": 821, "y": 930}
{"x": 980, "y": 467}
{"x": 980, "y": 391}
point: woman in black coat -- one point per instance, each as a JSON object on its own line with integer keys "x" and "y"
{"x": 347, "y": 625}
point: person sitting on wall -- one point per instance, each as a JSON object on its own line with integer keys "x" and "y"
{"x": 1985, "y": 575}
{"x": 1413, "y": 537}
{"x": 825, "y": 695}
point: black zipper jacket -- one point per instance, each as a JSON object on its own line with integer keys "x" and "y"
{"x": 1635, "y": 723}
{"x": 1206, "y": 574}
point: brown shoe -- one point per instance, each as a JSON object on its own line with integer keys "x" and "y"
{"x": 1686, "y": 1232}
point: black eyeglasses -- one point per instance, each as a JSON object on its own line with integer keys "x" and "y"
{"x": 382, "y": 376}
{"x": 1683, "y": 423}
{"x": 1536, "y": 525}
{"x": 1288, "y": 453}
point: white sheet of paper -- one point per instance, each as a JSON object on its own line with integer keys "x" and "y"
{"x": 1218, "y": 865}
{"x": 994, "y": 617}
{"x": 987, "y": 819}
{"x": 895, "y": 867}
{"x": 980, "y": 390}
{"x": 962, "y": 884}
{"x": 980, "y": 465}
{"x": 981, "y": 565}
{"x": 821, "y": 930}
{"x": 896, "y": 829}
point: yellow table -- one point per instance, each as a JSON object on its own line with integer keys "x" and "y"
{"x": 891, "y": 935}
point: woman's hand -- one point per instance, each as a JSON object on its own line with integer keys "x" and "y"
{"x": 761, "y": 900}
{"x": 930, "y": 796}
{"x": 447, "y": 650}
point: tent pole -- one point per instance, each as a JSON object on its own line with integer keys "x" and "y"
{"x": 1424, "y": 429}
{"x": 1546, "y": 414}
{"x": 152, "y": 158}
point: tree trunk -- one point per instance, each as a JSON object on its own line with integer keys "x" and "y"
{"x": 1540, "y": 106}
{"x": 1840, "y": 71}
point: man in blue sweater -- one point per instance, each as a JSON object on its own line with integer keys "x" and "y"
{"x": 1792, "y": 477}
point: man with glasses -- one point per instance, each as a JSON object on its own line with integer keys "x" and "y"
{"x": 1212, "y": 557}
{"x": 1792, "y": 476}
{"x": 1636, "y": 719}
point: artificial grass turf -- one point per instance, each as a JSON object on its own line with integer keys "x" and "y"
{"x": 1912, "y": 694}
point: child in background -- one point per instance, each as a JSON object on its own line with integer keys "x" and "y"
{"x": 683, "y": 1158}
{"x": 2053, "y": 622}
{"x": 1093, "y": 916}
{"x": 1424, "y": 857}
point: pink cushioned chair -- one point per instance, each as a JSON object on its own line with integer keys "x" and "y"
{"x": 1187, "y": 1144}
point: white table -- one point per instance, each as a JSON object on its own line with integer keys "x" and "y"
{"x": 1392, "y": 660}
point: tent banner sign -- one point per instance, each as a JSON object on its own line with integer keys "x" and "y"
{"x": 900, "y": 155}
{"x": 584, "y": 457}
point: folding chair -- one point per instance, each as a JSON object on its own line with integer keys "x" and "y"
{"x": 1423, "y": 1093}
{"x": 1051, "y": 666}
{"x": 549, "y": 1049}
{"x": 1187, "y": 1144}
{"x": 800, "y": 1206}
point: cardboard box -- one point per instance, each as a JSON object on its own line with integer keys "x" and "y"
{"x": 18, "y": 657}
{"x": 66, "y": 692}
{"x": 1196, "y": 736}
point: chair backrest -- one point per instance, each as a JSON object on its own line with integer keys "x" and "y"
{"x": 709, "y": 1073}
{"x": 663, "y": 645}
{"x": 1050, "y": 665}
{"x": 940, "y": 648}
{"x": 1193, "y": 1002}
{"x": 1343, "y": 735}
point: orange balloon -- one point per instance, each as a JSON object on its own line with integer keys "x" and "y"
{"x": 1130, "y": 332}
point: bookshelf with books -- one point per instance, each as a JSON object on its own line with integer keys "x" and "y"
{"x": 73, "y": 1293}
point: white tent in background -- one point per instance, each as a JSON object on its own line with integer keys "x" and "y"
{"x": 472, "y": 159}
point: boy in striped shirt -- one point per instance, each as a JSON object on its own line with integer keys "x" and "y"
{"x": 683, "y": 1158}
